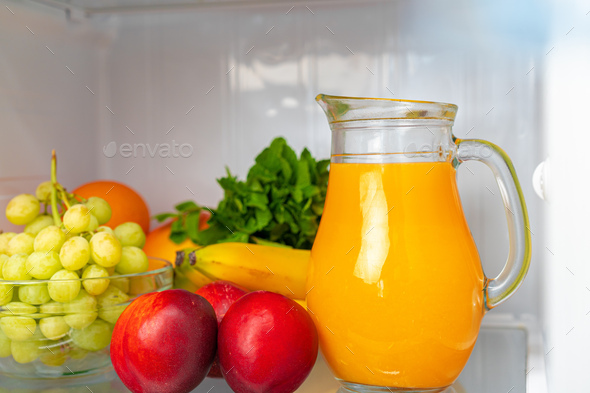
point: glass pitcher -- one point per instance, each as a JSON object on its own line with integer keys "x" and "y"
{"x": 396, "y": 286}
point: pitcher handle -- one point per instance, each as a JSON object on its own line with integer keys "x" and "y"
{"x": 502, "y": 287}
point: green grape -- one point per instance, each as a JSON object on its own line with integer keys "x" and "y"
{"x": 43, "y": 264}
{"x": 81, "y": 311}
{"x": 142, "y": 284}
{"x": 111, "y": 304}
{"x": 15, "y": 268}
{"x": 4, "y": 345}
{"x": 38, "y": 335}
{"x": 54, "y": 327}
{"x": 6, "y": 293}
{"x": 105, "y": 249}
{"x": 84, "y": 302}
{"x": 130, "y": 234}
{"x": 64, "y": 286}
{"x": 121, "y": 283}
{"x": 76, "y": 219}
{"x": 77, "y": 353}
{"x": 100, "y": 209}
{"x": 25, "y": 351}
{"x": 80, "y": 320}
{"x": 43, "y": 191}
{"x": 50, "y": 238}
{"x": 91, "y": 279}
{"x": 75, "y": 253}
{"x": 104, "y": 228}
{"x": 14, "y": 292}
{"x": 3, "y": 259}
{"x": 22, "y": 209}
{"x": 18, "y": 328}
{"x": 54, "y": 359}
{"x": 52, "y": 308}
{"x": 40, "y": 222}
{"x": 93, "y": 224}
{"x": 34, "y": 293}
{"x": 4, "y": 239}
{"x": 21, "y": 244}
{"x": 133, "y": 260}
{"x": 18, "y": 309}
{"x": 93, "y": 338}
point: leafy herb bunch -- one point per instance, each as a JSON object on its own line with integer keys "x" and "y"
{"x": 281, "y": 201}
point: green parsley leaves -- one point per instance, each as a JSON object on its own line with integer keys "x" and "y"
{"x": 281, "y": 201}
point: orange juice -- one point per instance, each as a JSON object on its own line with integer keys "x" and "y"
{"x": 395, "y": 283}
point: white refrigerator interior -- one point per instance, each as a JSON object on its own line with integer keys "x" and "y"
{"x": 164, "y": 96}
{"x": 565, "y": 285}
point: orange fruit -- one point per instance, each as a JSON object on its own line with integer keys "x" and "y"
{"x": 126, "y": 203}
{"x": 159, "y": 245}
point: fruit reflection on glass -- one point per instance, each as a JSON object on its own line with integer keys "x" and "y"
{"x": 65, "y": 280}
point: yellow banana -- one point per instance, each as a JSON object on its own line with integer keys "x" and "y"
{"x": 253, "y": 266}
{"x": 183, "y": 282}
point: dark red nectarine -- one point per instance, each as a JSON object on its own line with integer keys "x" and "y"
{"x": 164, "y": 342}
{"x": 267, "y": 343}
{"x": 221, "y": 295}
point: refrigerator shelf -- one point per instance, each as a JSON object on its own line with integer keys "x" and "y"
{"x": 508, "y": 357}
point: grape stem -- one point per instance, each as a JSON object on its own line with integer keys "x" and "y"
{"x": 55, "y": 212}
{"x": 76, "y": 197}
{"x": 64, "y": 196}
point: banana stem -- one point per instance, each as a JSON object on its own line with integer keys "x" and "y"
{"x": 54, "y": 211}
{"x": 185, "y": 270}
{"x": 179, "y": 258}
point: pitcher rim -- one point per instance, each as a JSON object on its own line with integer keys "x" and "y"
{"x": 317, "y": 98}
{"x": 444, "y": 115}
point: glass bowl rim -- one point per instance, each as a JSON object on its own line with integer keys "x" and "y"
{"x": 167, "y": 267}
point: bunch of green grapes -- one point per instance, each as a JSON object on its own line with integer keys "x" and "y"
{"x": 64, "y": 279}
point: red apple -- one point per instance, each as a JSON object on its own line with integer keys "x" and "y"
{"x": 267, "y": 343}
{"x": 164, "y": 342}
{"x": 221, "y": 294}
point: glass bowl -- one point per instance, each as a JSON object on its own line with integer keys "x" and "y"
{"x": 42, "y": 338}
